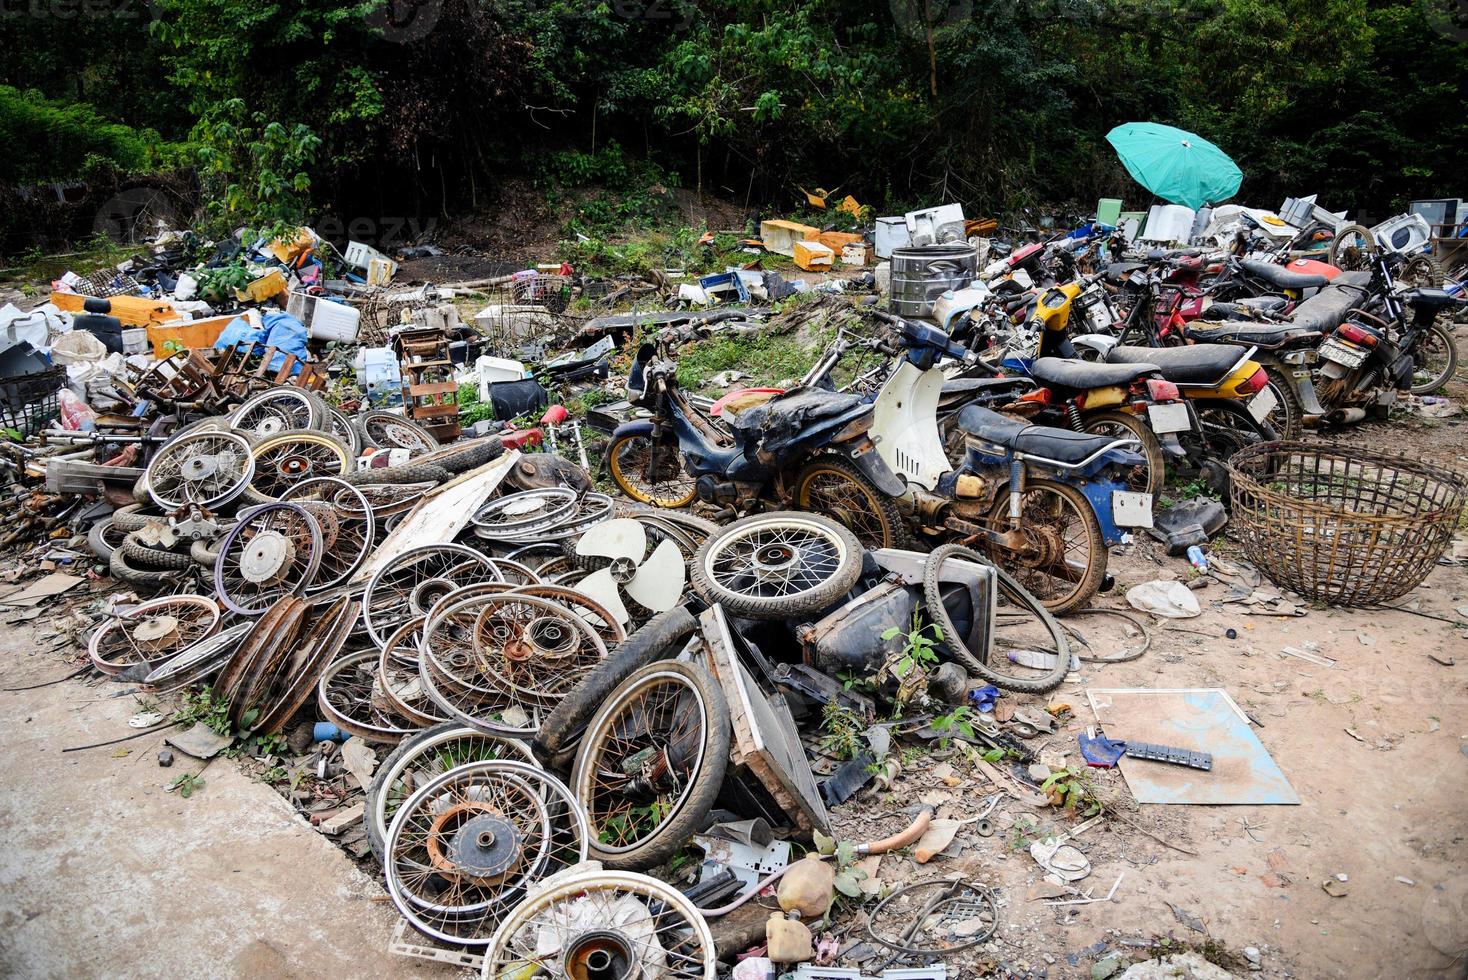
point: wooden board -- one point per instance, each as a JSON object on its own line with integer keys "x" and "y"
{"x": 765, "y": 739}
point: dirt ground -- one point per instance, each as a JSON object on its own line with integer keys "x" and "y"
{"x": 108, "y": 874}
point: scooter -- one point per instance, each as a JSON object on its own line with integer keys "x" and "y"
{"x": 1045, "y": 503}
{"x": 807, "y": 446}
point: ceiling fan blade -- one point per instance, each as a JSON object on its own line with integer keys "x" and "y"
{"x": 620, "y": 538}
{"x": 601, "y": 588}
{"x": 658, "y": 584}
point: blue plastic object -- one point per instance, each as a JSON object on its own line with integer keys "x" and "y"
{"x": 1101, "y": 752}
{"x": 325, "y": 731}
{"x": 1197, "y": 559}
{"x": 984, "y": 698}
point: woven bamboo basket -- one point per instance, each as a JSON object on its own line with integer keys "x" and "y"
{"x": 1339, "y": 524}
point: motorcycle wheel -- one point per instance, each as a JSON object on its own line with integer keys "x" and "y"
{"x": 630, "y": 459}
{"x": 1353, "y": 248}
{"x": 1227, "y": 427}
{"x": 777, "y": 565}
{"x": 1420, "y": 271}
{"x": 1149, "y": 477}
{"x": 1059, "y": 527}
{"x": 1436, "y": 358}
{"x": 833, "y": 486}
{"x": 1288, "y": 417}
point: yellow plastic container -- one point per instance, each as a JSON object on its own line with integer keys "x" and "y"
{"x": 813, "y": 256}
{"x": 169, "y": 338}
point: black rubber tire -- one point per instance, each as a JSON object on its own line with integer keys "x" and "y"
{"x": 1437, "y": 384}
{"x": 376, "y": 835}
{"x": 672, "y": 834}
{"x": 97, "y": 538}
{"x": 132, "y": 517}
{"x": 139, "y": 555}
{"x": 825, "y": 595}
{"x": 1293, "y": 413}
{"x": 119, "y": 568}
{"x": 1424, "y": 266}
{"x": 411, "y": 473}
{"x": 364, "y": 419}
{"x": 199, "y": 552}
{"x": 461, "y": 459}
{"x": 938, "y": 613}
{"x": 1095, "y": 574}
{"x": 660, "y": 638}
{"x": 1339, "y": 241}
{"x": 894, "y": 528}
{"x": 1138, "y": 429}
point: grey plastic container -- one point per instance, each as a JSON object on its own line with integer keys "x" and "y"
{"x": 922, "y": 273}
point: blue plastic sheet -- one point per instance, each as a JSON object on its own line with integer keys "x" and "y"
{"x": 279, "y": 330}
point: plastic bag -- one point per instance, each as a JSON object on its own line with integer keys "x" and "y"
{"x": 1170, "y": 600}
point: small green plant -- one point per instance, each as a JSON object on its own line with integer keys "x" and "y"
{"x": 842, "y": 730}
{"x": 201, "y": 706}
{"x": 1073, "y": 789}
{"x": 956, "y": 722}
{"x": 187, "y": 784}
{"x": 910, "y": 667}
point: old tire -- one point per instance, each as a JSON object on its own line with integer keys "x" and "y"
{"x": 938, "y": 613}
{"x": 624, "y": 720}
{"x": 660, "y": 638}
{"x": 833, "y": 485}
{"x": 411, "y": 473}
{"x": 1121, "y": 425}
{"x": 1089, "y": 583}
{"x": 140, "y": 555}
{"x": 1440, "y": 338}
{"x": 1348, "y": 247}
{"x": 779, "y": 565}
{"x": 1288, "y": 419}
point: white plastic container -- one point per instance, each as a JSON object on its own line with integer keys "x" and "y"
{"x": 1168, "y": 223}
{"x": 1406, "y": 233}
{"x": 891, "y": 234}
{"x": 135, "y": 340}
{"x": 324, "y": 319}
{"x": 492, "y": 369}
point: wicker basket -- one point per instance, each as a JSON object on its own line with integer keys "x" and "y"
{"x": 1339, "y": 524}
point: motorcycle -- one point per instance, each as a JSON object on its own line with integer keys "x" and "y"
{"x": 1044, "y": 502}
{"x": 805, "y": 446}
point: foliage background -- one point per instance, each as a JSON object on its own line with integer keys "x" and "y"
{"x": 425, "y": 107}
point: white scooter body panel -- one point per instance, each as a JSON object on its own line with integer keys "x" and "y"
{"x": 905, "y": 425}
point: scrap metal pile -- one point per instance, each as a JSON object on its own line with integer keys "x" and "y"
{"x": 603, "y": 720}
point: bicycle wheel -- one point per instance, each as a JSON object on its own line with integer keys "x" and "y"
{"x": 651, "y": 764}
{"x": 1022, "y": 623}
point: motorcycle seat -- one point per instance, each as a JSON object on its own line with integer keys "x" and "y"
{"x": 798, "y": 408}
{"x": 1086, "y": 374}
{"x": 1061, "y": 445}
{"x": 1117, "y": 271}
{"x": 1280, "y": 277}
{"x": 1430, "y": 299}
{"x": 1267, "y": 335}
{"x": 1200, "y": 364}
{"x": 1325, "y": 311}
{"x": 1268, "y": 304}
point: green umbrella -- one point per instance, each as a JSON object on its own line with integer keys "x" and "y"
{"x": 1176, "y": 165}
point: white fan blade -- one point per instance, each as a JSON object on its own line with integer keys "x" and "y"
{"x": 620, "y": 538}
{"x": 601, "y": 588}
{"x": 658, "y": 584}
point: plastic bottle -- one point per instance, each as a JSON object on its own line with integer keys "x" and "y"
{"x": 1197, "y": 559}
{"x": 76, "y": 414}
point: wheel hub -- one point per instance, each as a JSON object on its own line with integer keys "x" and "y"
{"x": 156, "y": 632}
{"x": 485, "y": 847}
{"x": 550, "y": 636}
{"x": 270, "y": 426}
{"x": 266, "y": 558}
{"x": 295, "y": 466}
{"x": 428, "y": 592}
{"x": 200, "y": 467}
{"x": 776, "y": 560}
{"x": 600, "y": 955}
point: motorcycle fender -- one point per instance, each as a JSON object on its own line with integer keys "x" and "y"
{"x": 1298, "y": 377}
{"x": 1170, "y": 444}
{"x": 865, "y": 456}
{"x": 642, "y": 428}
{"x": 1098, "y": 495}
{"x": 1100, "y": 343}
{"x": 1099, "y": 398}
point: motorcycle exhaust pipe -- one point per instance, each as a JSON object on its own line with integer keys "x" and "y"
{"x": 1346, "y": 416}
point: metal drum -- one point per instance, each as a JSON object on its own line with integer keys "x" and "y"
{"x": 920, "y": 274}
